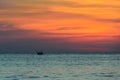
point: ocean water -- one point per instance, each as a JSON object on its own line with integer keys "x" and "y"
{"x": 60, "y": 67}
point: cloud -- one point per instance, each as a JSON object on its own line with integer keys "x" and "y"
{"x": 116, "y": 44}
{"x": 69, "y": 28}
{"x": 42, "y": 8}
{"x": 6, "y": 26}
{"x": 96, "y": 6}
{"x": 11, "y": 4}
{"x": 59, "y": 44}
{"x": 55, "y": 25}
{"x": 7, "y": 29}
{"x": 14, "y": 32}
{"x": 110, "y": 20}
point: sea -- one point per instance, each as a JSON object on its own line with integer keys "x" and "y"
{"x": 64, "y": 66}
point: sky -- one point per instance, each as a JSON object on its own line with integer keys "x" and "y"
{"x": 60, "y": 25}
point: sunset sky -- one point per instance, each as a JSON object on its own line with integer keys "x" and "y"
{"x": 60, "y": 25}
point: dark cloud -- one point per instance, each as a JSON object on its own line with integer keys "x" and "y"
{"x": 6, "y": 26}
{"x": 32, "y": 44}
{"x": 58, "y": 44}
{"x": 14, "y": 32}
{"x": 9, "y": 29}
{"x": 116, "y": 44}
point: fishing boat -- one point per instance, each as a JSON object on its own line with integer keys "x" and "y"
{"x": 39, "y": 53}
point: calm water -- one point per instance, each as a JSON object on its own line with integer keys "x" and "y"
{"x": 59, "y": 67}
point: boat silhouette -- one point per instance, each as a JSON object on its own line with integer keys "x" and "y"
{"x": 39, "y": 53}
